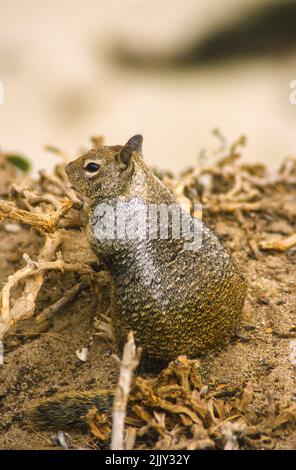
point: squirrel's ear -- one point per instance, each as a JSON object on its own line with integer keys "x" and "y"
{"x": 125, "y": 155}
{"x": 135, "y": 143}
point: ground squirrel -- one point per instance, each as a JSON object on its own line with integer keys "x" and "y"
{"x": 177, "y": 296}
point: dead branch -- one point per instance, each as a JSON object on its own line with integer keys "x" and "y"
{"x": 130, "y": 360}
{"x": 32, "y": 198}
{"x": 25, "y": 305}
{"x": 69, "y": 223}
{"x": 44, "y": 223}
{"x": 33, "y": 273}
{"x": 59, "y": 304}
{"x": 279, "y": 244}
{"x": 58, "y": 185}
{"x": 233, "y": 206}
{"x": 231, "y": 432}
{"x": 59, "y": 152}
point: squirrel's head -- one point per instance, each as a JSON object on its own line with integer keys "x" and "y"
{"x": 105, "y": 171}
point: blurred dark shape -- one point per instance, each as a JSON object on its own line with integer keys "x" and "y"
{"x": 267, "y": 30}
{"x": 19, "y": 161}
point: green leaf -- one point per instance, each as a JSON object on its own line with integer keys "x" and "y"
{"x": 20, "y": 162}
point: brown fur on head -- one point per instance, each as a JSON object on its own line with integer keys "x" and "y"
{"x": 105, "y": 171}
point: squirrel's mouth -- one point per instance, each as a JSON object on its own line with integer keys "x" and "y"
{"x": 81, "y": 198}
{"x": 79, "y": 195}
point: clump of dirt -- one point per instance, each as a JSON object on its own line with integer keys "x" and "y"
{"x": 240, "y": 397}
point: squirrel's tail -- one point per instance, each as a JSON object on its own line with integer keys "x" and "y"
{"x": 65, "y": 411}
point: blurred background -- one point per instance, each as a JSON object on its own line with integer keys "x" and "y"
{"x": 172, "y": 70}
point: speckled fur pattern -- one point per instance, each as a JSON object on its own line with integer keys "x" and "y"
{"x": 66, "y": 411}
{"x": 177, "y": 301}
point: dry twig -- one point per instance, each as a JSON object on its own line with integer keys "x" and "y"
{"x": 130, "y": 360}
{"x": 48, "y": 312}
{"x": 46, "y": 223}
{"x": 281, "y": 244}
{"x": 33, "y": 274}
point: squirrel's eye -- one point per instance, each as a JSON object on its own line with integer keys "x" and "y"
{"x": 92, "y": 167}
